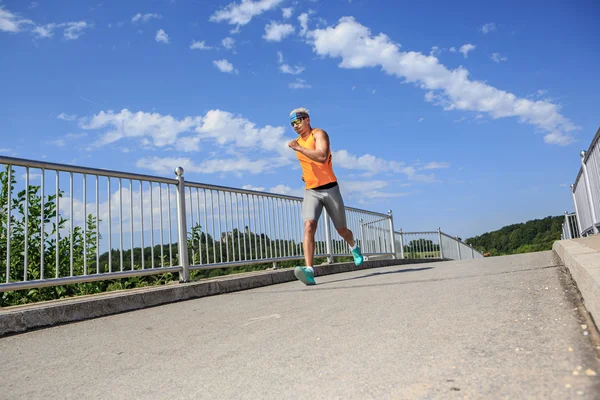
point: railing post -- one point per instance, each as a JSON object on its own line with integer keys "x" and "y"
{"x": 401, "y": 245}
{"x": 566, "y": 227}
{"x": 393, "y": 234}
{"x": 576, "y": 210}
{"x": 589, "y": 192}
{"x": 472, "y": 252}
{"x": 362, "y": 236}
{"x": 328, "y": 243}
{"x": 458, "y": 247}
{"x": 440, "y": 243}
{"x": 184, "y": 275}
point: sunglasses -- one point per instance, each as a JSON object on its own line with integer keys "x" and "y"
{"x": 297, "y": 121}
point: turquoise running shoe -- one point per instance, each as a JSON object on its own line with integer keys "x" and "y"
{"x": 358, "y": 257}
{"x": 305, "y": 275}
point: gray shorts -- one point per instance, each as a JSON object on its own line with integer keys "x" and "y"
{"x": 331, "y": 199}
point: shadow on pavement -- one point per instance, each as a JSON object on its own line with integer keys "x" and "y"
{"x": 376, "y": 274}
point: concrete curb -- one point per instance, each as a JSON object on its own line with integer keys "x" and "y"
{"x": 582, "y": 258}
{"x": 23, "y": 318}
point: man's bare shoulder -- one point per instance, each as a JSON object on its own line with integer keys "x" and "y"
{"x": 319, "y": 133}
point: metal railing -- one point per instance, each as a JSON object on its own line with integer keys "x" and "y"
{"x": 570, "y": 228}
{"x": 62, "y": 224}
{"x": 586, "y": 190}
{"x": 434, "y": 245}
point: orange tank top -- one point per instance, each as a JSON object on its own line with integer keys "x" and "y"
{"x": 314, "y": 174}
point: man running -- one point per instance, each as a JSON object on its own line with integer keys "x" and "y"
{"x": 322, "y": 190}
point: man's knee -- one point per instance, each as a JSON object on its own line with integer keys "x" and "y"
{"x": 310, "y": 226}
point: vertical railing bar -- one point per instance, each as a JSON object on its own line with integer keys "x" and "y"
{"x": 97, "y": 226}
{"x": 84, "y": 224}
{"x": 237, "y": 215}
{"x": 250, "y": 227}
{"x": 142, "y": 222}
{"x": 269, "y": 230}
{"x": 220, "y": 225}
{"x": 279, "y": 225}
{"x": 232, "y": 227}
{"x": 8, "y": 219}
{"x": 26, "y": 252}
{"x": 254, "y": 212}
{"x": 226, "y": 225}
{"x": 109, "y": 227}
{"x": 259, "y": 227}
{"x": 131, "y": 223}
{"x": 244, "y": 221}
{"x": 72, "y": 217}
{"x": 199, "y": 225}
{"x": 266, "y": 210}
{"x": 41, "y": 226}
{"x": 151, "y": 188}
{"x": 170, "y": 226}
{"x": 121, "y": 224}
{"x": 57, "y": 219}
{"x": 206, "y": 226}
{"x": 162, "y": 232}
{"x": 212, "y": 217}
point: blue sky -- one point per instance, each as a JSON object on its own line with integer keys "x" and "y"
{"x": 467, "y": 116}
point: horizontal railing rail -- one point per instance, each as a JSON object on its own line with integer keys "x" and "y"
{"x": 63, "y": 224}
{"x": 433, "y": 244}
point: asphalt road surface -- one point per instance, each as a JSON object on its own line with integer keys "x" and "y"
{"x": 502, "y": 327}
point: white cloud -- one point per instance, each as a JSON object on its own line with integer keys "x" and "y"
{"x": 165, "y": 130}
{"x": 162, "y": 37}
{"x": 281, "y": 189}
{"x": 233, "y": 165}
{"x": 299, "y": 84}
{"x": 255, "y": 188}
{"x": 10, "y": 22}
{"x": 303, "y": 19}
{"x": 145, "y": 17}
{"x": 33, "y": 4}
{"x": 437, "y": 165}
{"x": 489, "y": 27}
{"x": 496, "y": 57}
{"x": 466, "y": 48}
{"x": 228, "y": 43}
{"x": 225, "y": 66}
{"x": 287, "y": 12}
{"x": 72, "y": 30}
{"x": 286, "y": 69}
{"x": 558, "y": 138}
{"x": 66, "y": 117}
{"x": 275, "y": 32}
{"x": 357, "y": 48}
{"x": 242, "y": 13}
{"x": 367, "y": 189}
{"x": 452, "y": 49}
{"x": 421, "y": 119}
{"x": 199, "y": 45}
{"x": 5, "y": 150}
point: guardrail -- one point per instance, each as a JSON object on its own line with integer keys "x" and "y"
{"x": 63, "y": 224}
{"x": 433, "y": 244}
{"x": 570, "y": 227}
{"x": 586, "y": 189}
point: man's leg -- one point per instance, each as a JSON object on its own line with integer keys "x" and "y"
{"x": 311, "y": 211}
{"x": 334, "y": 204}
{"x": 310, "y": 228}
{"x": 347, "y": 235}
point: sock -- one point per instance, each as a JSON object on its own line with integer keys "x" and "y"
{"x": 311, "y": 269}
{"x": 353, "y": 248}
